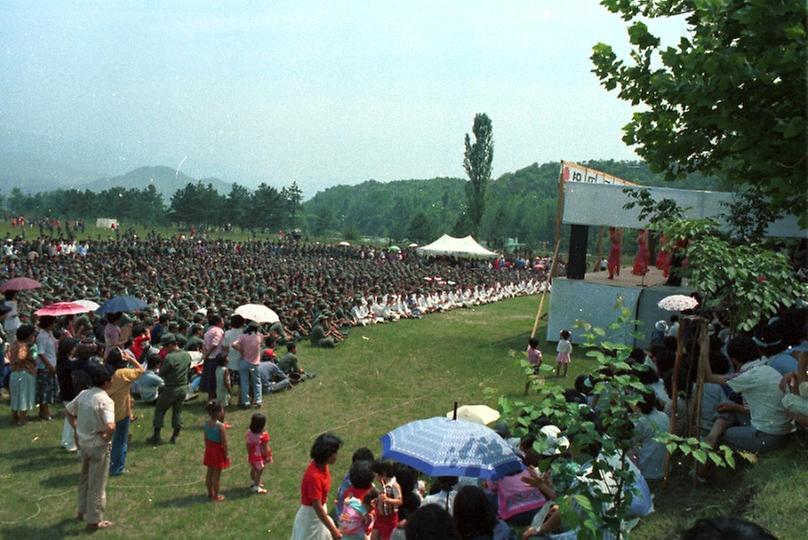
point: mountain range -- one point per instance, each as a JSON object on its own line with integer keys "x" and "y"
{"x": 36, "y": 162}
{"x": 42, "y": 176}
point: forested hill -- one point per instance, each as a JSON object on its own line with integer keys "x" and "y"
{"x": 519, "y": 204}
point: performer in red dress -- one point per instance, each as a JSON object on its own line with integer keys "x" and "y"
{"x": 643, "y": 256}
{"x": 614, "y": 252}
{"x": 663, "y": 258}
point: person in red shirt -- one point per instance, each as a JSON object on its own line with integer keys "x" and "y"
{"x": 140, "y": 341}
{"x": 312, "y": 521}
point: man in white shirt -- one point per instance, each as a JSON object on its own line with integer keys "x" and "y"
{"x": 92, "y": 415}
{"x": 47, "y": 389}
{"x": 360, "y": 313}
{"x": 768, "y": 422}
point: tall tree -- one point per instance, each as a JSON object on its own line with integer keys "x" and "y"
{"x": 477, "y": 161}
{"x": 728, "y": 100}
{"x": 196, "y": 204}
{"x": 421, "y": 228}
{"x": 293, "y": 199}
{"x": 267, "y": 207}
{"x": 237, "y": 206}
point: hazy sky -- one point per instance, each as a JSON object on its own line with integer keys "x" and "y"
{"x": 318, "y": 92}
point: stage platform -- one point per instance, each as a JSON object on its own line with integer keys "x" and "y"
{"x": 627, "y": 279}
{"x": 593, "y": 300}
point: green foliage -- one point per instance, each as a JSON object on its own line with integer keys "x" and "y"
{"x": 293, "y": 198}
{"x": 141, "y": 206}
{"x": 193, "y": 205}
{"x": 527, "y": 197}
{"x": 729, "y": 99}
{"x": 267, "y": 207}
{"x": 422, "y": 229}
{"x": 655, "y": 212}
{"x": 749, "y": 280}
{"x": 477, "y": 161}
{"x": 197, "y": 203}
{"x": 237, "y": 207}
{"x": 597, "y": 495}
{"x": 740, "y": 275}
{"x": 748, "y": 215}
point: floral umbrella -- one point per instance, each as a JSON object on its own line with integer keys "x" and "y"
{"x": 678, "y": 302}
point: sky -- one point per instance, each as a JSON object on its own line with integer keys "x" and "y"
{"x": 316, "y": 92}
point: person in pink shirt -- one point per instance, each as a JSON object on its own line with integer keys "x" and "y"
{"x": 212, "y": 347}
{"x": 249, "y": 347}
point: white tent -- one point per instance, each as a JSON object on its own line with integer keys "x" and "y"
{"x": 457, "y": 247}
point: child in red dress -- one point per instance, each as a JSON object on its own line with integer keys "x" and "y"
{"x": 258, "y": 451}
{"x": 387, "y": 503}
{"x": 215, "y": 448}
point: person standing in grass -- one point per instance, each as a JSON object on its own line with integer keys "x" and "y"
{"x": 216, "y": 459}
{"x": 249, "y": 347}
{"x": 22, "y": 382}
{"x": 534, "y": 358}
{"x": 564, "y": 350}
{"x": 47, "y": 389}
{"x": 65, "y": 359}
{"x": 258, "y": 451}
{"x": 92, "y": 415}
{"x": 212, "y": 347}
{"x": 312, "y": 521}
{"x": 119, "y": 392}
{"x": 174, "y": 372}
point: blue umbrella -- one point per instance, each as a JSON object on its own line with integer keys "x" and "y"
{"x": 442, "y": 447}
{"x": 119, "y": 304}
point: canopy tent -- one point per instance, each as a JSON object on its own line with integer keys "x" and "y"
{"x": 457, "y": 247}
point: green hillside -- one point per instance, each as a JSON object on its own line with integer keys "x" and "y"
{"x": 520, "y": 204}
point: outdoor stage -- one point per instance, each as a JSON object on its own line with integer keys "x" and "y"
{"x": 627, "y": 279}
{"x": 592, "y": 300}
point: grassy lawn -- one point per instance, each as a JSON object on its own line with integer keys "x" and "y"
{"x": 381, "y": 377}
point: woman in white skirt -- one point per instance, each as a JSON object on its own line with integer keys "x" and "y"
{"x": 65, "y": 358}
{"x": 312, "y": 521}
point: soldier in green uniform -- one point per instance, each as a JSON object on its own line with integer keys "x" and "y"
{"x": 174, "y": 372}
{"x": 319, "y": 334}
{"x": 288, "y": 364}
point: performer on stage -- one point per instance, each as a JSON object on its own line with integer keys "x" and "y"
{"x": 663, "y": 258}
{"x": 643, "y": 256}
{"x": 616, "y": 239}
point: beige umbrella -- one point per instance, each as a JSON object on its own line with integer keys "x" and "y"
{"x": 89, "y": 304}
{"x": 677, "y": 302}
{"x": 481, "y": 414}
{"x": 257, "y": 313}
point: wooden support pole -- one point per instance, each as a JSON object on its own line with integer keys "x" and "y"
{"x": 547, "y": 282}
{"x": 704, "y": 359}
{"x": 675, "y": 388}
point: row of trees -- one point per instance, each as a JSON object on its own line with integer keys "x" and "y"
{"x": 521, "y": 204}
{"x": 264, "y": 208}
{"x": 197, "y": 204}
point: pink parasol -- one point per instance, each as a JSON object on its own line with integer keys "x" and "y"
{"x": 61, "y": 308}
{"x": 677, "y": 302}
{"x": 20, "y": 284}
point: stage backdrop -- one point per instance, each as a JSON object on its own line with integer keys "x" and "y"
{"x": 574, "y": 299}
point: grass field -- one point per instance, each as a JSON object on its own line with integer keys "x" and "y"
{"x": 381, "y": 377}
